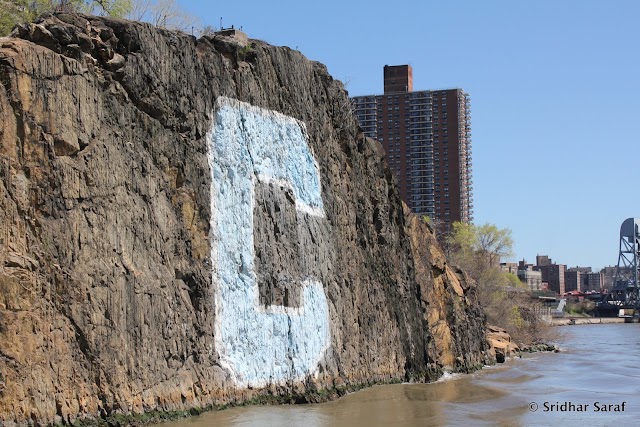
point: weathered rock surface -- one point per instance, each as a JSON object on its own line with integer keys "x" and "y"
{"x": 108, "y": 280}
{"x": 449, "y": 300}
{"x": 501, "y": 345}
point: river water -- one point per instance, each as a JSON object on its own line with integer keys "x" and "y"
{"x": 598, "y": 369}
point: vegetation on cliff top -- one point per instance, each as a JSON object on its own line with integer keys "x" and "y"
{"x": 162, "y": 13}
{"x": 14, "y": 12}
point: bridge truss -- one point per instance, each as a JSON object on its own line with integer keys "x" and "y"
{"x": 625, "y": 294}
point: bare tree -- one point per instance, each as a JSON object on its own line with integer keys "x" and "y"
{"x": 139, "y": 9}
{"x": 440, "y": 229}
{"x": 162, "y": 13}
{"x": 208, "y": 30}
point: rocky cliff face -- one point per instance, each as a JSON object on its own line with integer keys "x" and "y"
{"x": 186, "y": 223}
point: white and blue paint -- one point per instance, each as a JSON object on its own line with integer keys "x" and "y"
{"x": 259, "y": 345}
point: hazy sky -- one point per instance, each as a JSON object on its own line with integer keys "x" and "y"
{"x": 555, "y": 98}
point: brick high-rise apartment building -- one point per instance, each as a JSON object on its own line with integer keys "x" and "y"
{"x": 427, "y": 137}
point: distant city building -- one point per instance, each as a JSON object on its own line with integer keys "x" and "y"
{"x": 609, "y": 274}
{"x": 542, "y": 260}
{"x": 427, "y": 137}
{"x": 584, "y": 284}
{"x": 553, "y": 274}
{"x": 558, "y": 278}
{"x": 581, "y": 270}
{"x": 593, "y": 282}
{"x": 523, "y": 265}
{"x": 583, "y": 279}
{"x": 509, "y": 267}
{"x": 531, "y": 278}
{"x": 572, "y": 280}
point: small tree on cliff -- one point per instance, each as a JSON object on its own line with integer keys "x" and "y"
{"x": 478, "y": 250}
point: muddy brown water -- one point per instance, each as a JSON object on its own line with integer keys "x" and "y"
{"x": 585, "y": 384}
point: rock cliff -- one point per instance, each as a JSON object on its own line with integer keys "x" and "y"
{"x": 189, "y": 222}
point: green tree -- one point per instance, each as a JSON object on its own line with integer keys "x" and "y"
{"x": 19, "y": 11}
{"x": 9, "y": 15}
{"x": 494, "y": 243}
{"x": 113, "y": 8}
{"x": 479, "y": 249}
{"x": 484, "y": 245}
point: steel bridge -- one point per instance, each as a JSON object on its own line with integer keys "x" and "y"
{"x": 624, "y": 296}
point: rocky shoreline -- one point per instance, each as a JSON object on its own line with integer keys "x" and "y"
{"x": 565, "y": 321}
{"x": 503, "y": 347}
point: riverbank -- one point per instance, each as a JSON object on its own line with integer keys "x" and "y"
{"x": 261, "y": 410}
{"x": 566, "y": 321}
{"x": 513, "y": 393}
{"x": 503, "y": 348}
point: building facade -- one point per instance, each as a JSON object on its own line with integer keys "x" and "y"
{"x": 593, "y": 282}
{"x": 609, "y": 274}
{"x": 572, "y": 280}
{"x": 542, "y": 260}
{"x": 427, "y": 138}
{"x": 509, "y": 267}
{"x": 531, "y": 278}
{"x": 553, "y": 274}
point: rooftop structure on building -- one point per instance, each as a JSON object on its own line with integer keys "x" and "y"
{"x": 427, "y": 137}
{"x": 581, "y": 270}
{"x": 542, "y": 260}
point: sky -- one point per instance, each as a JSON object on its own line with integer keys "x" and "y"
{"x": 555, "y": 98}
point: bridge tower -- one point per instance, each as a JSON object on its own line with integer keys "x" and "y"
{"x": 625, "y": 292}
